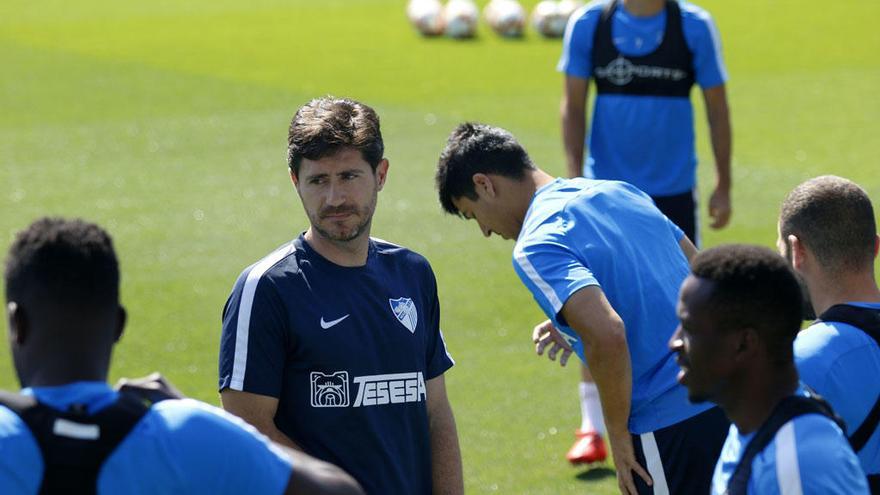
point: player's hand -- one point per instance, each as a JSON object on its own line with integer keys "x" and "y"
{"x": 544, "y": 335}
{"x": 719, "y": 208}
{"x": 626, "y": 464}
{"x": 153, "y": 387}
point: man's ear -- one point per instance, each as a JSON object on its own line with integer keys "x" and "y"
{"x": 293, "y": 178}
{"x": 19, "y": 330}
{"x": 484, "y": 186}
{"x": 746, "y": 345}
{"x": 798, "y": 252}
{"x": 122, "y": 318}
{"x": 382, "y": 173}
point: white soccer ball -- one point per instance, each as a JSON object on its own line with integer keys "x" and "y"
{"x": 567, "y": 7}
{"x": 426, "y": 16}
{"x": 548, "y": 20}
{"x": 460, "y": 18}
{"x": 506, "y": 17}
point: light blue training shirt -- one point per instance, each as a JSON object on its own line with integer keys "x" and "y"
{"x": 179, "y": 446}
{"x": 842, "y": 364}
{"x": 583, "y": 232}
{"x": 647, "y": 141}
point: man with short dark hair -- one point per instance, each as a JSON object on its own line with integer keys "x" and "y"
{"x": 69, "y": 432}
{"x": 332, "y": 343}
{"x": 643, "y": 58}
{"x": 828, "y": 233}
{"x": 605, "y": 265}
{"x": 740, "y": 310}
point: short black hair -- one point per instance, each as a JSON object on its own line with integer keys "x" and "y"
{"x": 325, "y": 126}
{"x": 756, "y": 288}
{"x": 474, "y": 148}
{"x": 63, "y": 261}
{"x": 834, "y": 218}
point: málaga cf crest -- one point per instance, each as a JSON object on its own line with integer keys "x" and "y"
{"x": 405, "y": 311}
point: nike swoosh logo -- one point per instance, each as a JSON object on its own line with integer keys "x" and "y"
{"x": 327, "y": 324}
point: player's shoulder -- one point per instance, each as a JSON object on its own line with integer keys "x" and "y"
{"x": 280, "y": 259}
{"x": 829, "y": 340}
{"x": 12, "y": 427}
{"x": 21, "y": 462}
{"x": 188, "y": 419}
{"x": 824, "y": 460}
{"x": 587, "y": 16}
{"x": 693, "y": 15}
{"x": 398, "y": 253}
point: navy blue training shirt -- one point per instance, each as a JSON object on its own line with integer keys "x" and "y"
{"x": 347, "y": 351}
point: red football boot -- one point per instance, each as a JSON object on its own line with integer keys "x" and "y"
{"x": 587, "y": 449}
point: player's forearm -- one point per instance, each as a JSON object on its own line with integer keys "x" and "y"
{"x": 607, "y": 355}
{"x": 718, "y": 116}
{"x": 445, "y": 452}
{"x": 574, "y": 128}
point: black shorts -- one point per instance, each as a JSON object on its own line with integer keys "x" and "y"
{"x": 681, "y": 458}
{"x": 682, "y": 210}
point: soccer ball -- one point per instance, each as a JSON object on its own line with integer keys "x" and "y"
{"x": 460, "y": 18}
{"x": 548, "y": 20}
{"x": 506, "y": 17}
{"x": 567, "y": 7}
{"x": 426, "y": 16}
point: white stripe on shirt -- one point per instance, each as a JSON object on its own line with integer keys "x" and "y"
{"x": 536, "y": 279}
{"x": 239, "y": 363}
{"x": 788, "y": 472}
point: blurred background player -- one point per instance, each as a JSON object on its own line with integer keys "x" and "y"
{"x": 644, "y": 56}
{"x": 69, "y": 432}
{"x": 608, "y": 283}
{"x": 740, "y": 311}
{"x": 828, "y": 233}
{"x": 332, "y": 343}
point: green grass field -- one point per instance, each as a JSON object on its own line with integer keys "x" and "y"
{"x": 166, "y": 122}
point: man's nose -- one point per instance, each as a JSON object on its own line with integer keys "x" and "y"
{"x": 335, "y": 195}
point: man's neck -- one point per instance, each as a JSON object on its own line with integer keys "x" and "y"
{"x": 644, "y": 8}
{"x": 826, "y": 291}
{"x": 750, "y": 406}
{"x": 51, "y": 376}
{"x": 349, "y": 253}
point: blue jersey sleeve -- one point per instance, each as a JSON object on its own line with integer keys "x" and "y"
{"x": 21, "y": 464}
{"x": 254, "y": 340}
{"x": 550, "y": 270}
{"x": 577, "y": 45}
{"x": 220, "y": 453}
{"x": 437, "y": 358}
{"x": 702, "y": 37}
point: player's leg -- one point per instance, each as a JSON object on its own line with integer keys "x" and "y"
{"x": 682, "y": 210}
{"x": 588, "y": 446}
{"x": 681, "y": 458}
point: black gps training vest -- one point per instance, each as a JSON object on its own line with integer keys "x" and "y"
{"x": 667, "y": 71}
{"x": 74, "y": 444}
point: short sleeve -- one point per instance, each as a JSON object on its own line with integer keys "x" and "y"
{"x": 676, "y": 230}
{"x": 577, "y": 45}
{"x": 437, "y": 355}
{"x": 220, "y": 453}
{"x": 551, "y": 271}
{"x": 253, "y": 344}
{"x": 704, "y": 41}
{"x": 21, "y": 464}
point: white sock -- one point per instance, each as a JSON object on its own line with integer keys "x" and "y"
{"x": 591, "y": 408}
